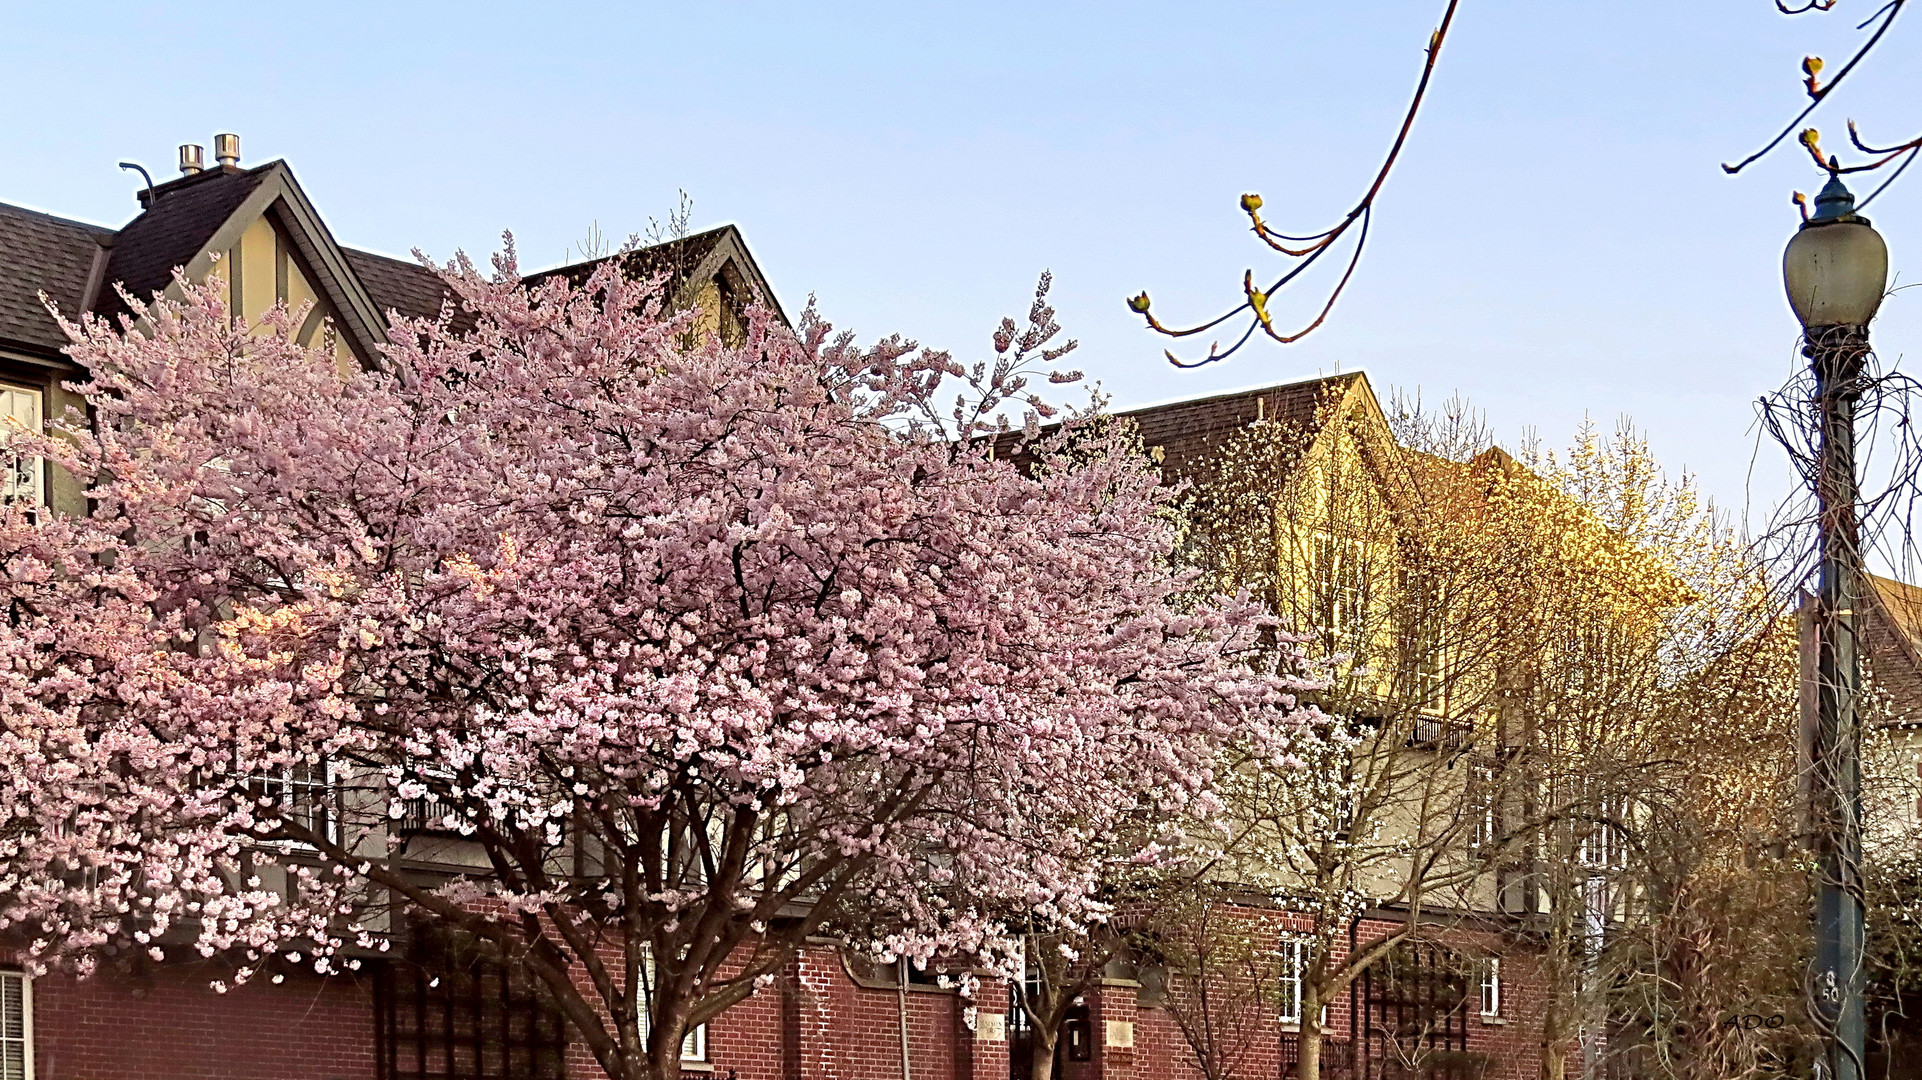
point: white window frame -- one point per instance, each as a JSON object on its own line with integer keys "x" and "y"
{"x": 1484, "y": 802}
{"x": 1489, "y": 985}
{"x": 1430, "y": 674}
{"x": 1339, "y": 564}
{"x": 17, "y": 982}
{"x": 283, "y": 785}
{"x": 22, "y": 479}
{"x": 1294, "y": 952}
{"x": 693, "y": 1044}
{"x": 1605, "y": 846}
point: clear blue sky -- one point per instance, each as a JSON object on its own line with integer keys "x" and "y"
{"x": 1558, "y": 243}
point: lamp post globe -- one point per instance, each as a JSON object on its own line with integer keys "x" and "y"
{"x": 1836, "y": 270}
{"x": 1836, "y": 267}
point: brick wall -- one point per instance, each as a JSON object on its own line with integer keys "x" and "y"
{"x": 169, "y": 1023}
{"x": 813, "y": 1023}
{"x": 1512, "y": 1040}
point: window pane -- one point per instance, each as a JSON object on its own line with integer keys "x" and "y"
{"x": 13, "y": 1009}
{"x": 20, "y": 476}
{"x": 1290, "y": 988}
{"x": 15, "y": 1036}
{"x": 694, "y": 1047}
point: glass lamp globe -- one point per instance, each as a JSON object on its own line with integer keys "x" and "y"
{"x": 1836, "y": 267}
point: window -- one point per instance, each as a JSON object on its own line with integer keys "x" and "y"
{"x": 1338, "y": 572}
{"x": 1484, "y": 803}
{"x": 693, "y": 1044}
{"x": 21, "y": 477}
{"x": 305, "y": 796}
{"x": 1343, "y": 818}
{"x": 1489, "y": 980}
{"x": 694, "y": 1047}
{"x": 16, "y": 1026}
{"x": 445, "y": 1013}
{"x": 1604, "y": 844}
{"x": 1293, "y": 955}
{"x": 1431, "y": 680}
{"x": 1428, "y": 672}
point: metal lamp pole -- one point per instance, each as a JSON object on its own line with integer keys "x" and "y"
{"x": 1836, "y": 269}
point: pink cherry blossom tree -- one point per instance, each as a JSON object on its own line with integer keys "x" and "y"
{"x": 628, "y": 658}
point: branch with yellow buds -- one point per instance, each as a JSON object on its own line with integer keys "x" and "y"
{"x": 1306, "y": 250}
{"x": 1811, "y": 141}
{"x": 1818, "y": 92}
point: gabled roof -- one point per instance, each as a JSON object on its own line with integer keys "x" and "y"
{"x": 1188, "y": 433}
{"x": 42, "y": 253}
{"x": 1892, "y": 634}
{"x": 186, "y": 222}
{"x": 713, "y": 253}
{"x": 173, "y": 229}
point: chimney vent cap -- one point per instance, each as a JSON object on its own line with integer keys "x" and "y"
{"x": 193, "y": 158}
{"x": 227, "y": 150}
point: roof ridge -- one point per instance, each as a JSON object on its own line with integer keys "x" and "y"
{"x": 583, "y": 263}
{"x": 180, "y": 183}
{"x": 28, "y": 211}
{"x": 1168, "y": 403}
{"x": 384, "y": 258}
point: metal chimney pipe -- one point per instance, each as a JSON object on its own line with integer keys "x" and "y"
{"x": 192, "y": 159}
{"x": 227, "y": 151}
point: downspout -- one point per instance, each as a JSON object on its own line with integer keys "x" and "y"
{"x": 902, "y": 1000}
{"x": 1354, "y": 987}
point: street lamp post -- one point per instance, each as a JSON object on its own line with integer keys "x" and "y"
{"x": 1836, "y": 269}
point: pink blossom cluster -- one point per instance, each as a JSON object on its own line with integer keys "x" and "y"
{"x": 684, "y": 634}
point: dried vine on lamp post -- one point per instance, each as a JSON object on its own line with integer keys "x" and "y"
{"x": 1835, "y": 270}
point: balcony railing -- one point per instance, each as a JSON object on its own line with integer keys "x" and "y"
{"x": 1435, "y": 733}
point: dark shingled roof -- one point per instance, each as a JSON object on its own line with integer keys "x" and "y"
{"x": 41, "y": 252}
{"x": 399, "y": 285}
{"x": 78, "y": 264}
{"x": 1188, "y": 432}
{"x": 417, "y": 292}
{"x": 677, "y": 257}
{"x": 1892, "y": 632}
{"x": 184, "y": 215}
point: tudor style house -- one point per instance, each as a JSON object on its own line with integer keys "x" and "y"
{"x": 254, "y": 230}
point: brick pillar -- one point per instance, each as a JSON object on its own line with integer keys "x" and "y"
{"x": 791, "y": 1010}
{"x": 981, "y": 1054}
{"x": 1112, "y": 1011}
{"x": 815, "y": 995}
